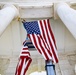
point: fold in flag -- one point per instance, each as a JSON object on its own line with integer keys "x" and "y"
{"x": 41, "y": 35}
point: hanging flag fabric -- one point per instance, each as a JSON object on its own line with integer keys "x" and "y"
{"x": 24, "y": 61}
{"x": 28, "y": 43}
{"x": 41, "y": 35}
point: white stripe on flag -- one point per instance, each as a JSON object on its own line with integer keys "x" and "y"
{"x": 23, "y": 67}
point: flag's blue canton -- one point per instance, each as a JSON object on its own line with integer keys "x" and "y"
{"x": 32, "y": 27}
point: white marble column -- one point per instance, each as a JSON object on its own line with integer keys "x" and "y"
{"x": 68, "y": 16}
{"x": 7, "y": 14}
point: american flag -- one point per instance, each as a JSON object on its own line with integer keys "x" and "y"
{"x": 41, "y": 35}
{"x": 24, "y": 61}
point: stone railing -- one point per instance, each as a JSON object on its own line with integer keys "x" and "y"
{"x": 4, "y": 63}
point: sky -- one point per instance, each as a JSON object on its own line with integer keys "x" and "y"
{"x": 38, "y": 73}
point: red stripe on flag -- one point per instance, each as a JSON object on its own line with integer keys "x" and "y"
{"x": 26, "y": 53}
{"x": 42, "y": 30}
{"x": 25, "y": 48}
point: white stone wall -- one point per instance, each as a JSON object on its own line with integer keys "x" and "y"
{"x": 15, "y": 34}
